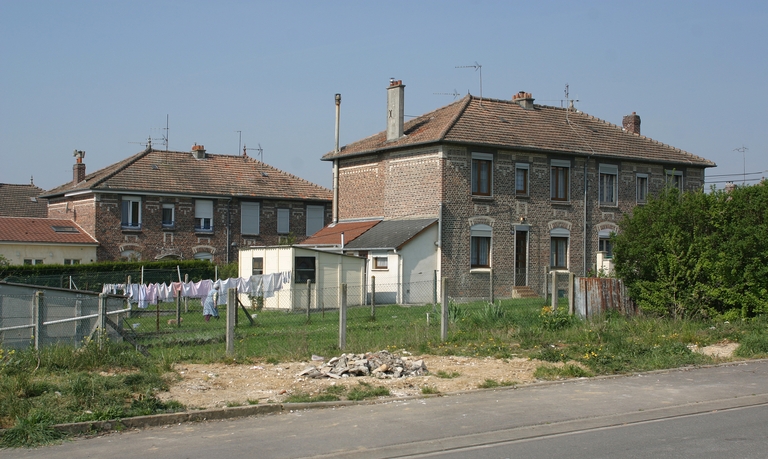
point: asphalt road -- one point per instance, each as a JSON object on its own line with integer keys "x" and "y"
{"x": 713, "y": 412}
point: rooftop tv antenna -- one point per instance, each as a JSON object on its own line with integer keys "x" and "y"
{"x": 743, "y": 151}
{"x": 455, "y": 94}
{"x": 261, "y": 157}
{"x": 163, "y": 139}
{"x": 479, "y": 68}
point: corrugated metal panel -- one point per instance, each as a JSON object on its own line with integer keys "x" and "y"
{"x": 595, "y": 295}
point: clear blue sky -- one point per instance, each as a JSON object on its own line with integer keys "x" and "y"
{"x": 99, "y": 75}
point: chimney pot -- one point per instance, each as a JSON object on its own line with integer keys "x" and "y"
{"x": 198, "y": 151}
{"x": 524, "y": 99}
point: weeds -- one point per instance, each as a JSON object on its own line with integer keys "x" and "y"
{"x": 445, "y": 375}
{"x": 492, "y": 383}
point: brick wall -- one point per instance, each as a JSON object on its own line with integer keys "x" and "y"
{"x": 406, "y": 184}
{"x": 101, "y": 217}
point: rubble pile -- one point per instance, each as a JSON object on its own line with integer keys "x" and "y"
{"x": 382, "y": 365}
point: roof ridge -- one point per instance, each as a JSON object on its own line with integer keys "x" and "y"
{"x": 466, "y": 101}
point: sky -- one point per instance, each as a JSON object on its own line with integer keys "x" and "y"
{"x": 105, "y": 76}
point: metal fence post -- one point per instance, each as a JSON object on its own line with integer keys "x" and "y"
{"x": 434, "y": 291}
{"x": 343, "y": 316}
{"x": 38, "y": 303}
{"x": 571, "y": 293}
{"x": 490, "y": 281}
{"x": 444, "y": 310}
{"x": 309, "y": 297}
{"x": 178, "y": 311}
{"x": 102, "y": 330}
{"x": 373, "y": 297}
{"x": 231, "y": 313}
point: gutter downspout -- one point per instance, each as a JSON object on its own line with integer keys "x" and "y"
{"x": 335, "y": 218}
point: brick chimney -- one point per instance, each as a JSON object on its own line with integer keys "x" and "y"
{"x": 395, "y": 109}
{"x": 78, "y": 170}
{"x": 631, "y": 123}
{"x": 198, "y": 151}
{"x": 524, "y": 99}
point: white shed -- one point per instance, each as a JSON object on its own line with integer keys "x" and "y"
{"x": 295, "y": 278}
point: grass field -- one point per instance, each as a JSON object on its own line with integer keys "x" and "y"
{"x": 61, "y": 384}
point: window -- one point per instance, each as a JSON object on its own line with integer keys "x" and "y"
{"x": 480, "y": 246}
{"x": 130, "y": 208}
{"x": 604, "y": 243}
{"x": 169, "y": 220}
{"x": 609, "y": 175}
{"x": 642, "y": 188}
{"x": 130, "y": 255}
{"x": 521, "y": 179}
{"x": 558, "y": 253}
{"x": 675, "y": 179}
{"x": 283, "y": 221}
{"x": 258, "y": 266}
{"x": 203, "y": 215}
{"x": 204, "y": 256}
{"x": 315, "y": 219}
{"x": 482, "y": 168}
{"x": 305, "y": 269}
{"x": 380, "y": 262}
{"x": 558, "y": 180}
{"x": 249, "y": 218}
{"x": 27, "y": 261}
{"x": 68, "y": 261}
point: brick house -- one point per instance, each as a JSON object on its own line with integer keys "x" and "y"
{"x": 519, "y": 188}
{"x": 184, "y": 205}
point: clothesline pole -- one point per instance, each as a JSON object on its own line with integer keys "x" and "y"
{"x": 186, "y": 303}
{"x": 142, "y": 274}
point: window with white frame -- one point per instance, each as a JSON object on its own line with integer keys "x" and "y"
{"x": 70, "y": 261}
{"x": 559, "y": 180}
{"x": 283, "y": 221}
{"x": 249, "y": 218}
{"x": 558, "y": 253}
{"x": 480, "y": 246}
{"x": 521, "y": 179}
{"x": 130, "y": 210}
{"x": 609, "y": 179}
{"x": 604, "y": 243}
{"x": 28, "y": 261}
{"x": 203, "y": 215}
{"x": 169, "y": 216}
{"x": 315, "y": 219}
{"x": 675, "y": 179}
{"x": 482, "y": 174}
{"x": 641, "y": 182}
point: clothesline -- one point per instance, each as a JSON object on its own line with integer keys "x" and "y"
{"x": 145, "y": 294}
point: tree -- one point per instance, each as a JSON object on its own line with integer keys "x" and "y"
{"x": 696, "y": 254}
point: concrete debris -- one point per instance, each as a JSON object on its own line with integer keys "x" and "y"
{"x": 382, "y": 365}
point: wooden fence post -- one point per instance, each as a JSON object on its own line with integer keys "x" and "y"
{"x": 309, "y": 297}
{"x": 38, "y": 304}
{"x": 102, "y": 329}
{"x": 571, "y": 292}
{"x": 554, "y": 291}
{"x": 444, "y": 310}
{"x": 231, "y": 313}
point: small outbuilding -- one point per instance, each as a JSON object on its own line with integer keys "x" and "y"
{"x": 294, "y": 278}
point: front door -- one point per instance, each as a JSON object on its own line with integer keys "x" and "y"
{"x": 521, "y": 258}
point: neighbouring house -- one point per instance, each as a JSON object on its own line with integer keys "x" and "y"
{"x": 297, "y": 278}
{"x": 518, "y": 189}
{"x": 401, "y": 255}
{"x": 22, "y": 201}
{"x": 184, "y": 205}
{"x": 34, "y": 241}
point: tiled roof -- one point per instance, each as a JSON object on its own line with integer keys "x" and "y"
{"x": 43, "y": 230}
{"x": 22, "y": 201}
{"x": 504, "y": 124}
{"x": 331, "y": 234}
{"x": 175, "y": 172}
{"x": 391, "y": 234}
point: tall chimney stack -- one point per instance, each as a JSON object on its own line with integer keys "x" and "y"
{"x": 78, "y": 170}
{"x": 631, "y": 123}
{"x": 395, "y": 109}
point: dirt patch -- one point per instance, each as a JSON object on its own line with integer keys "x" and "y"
{"x": 219, "y": 385}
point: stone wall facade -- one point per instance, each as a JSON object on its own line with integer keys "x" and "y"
{"x": 421, "y": 182}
